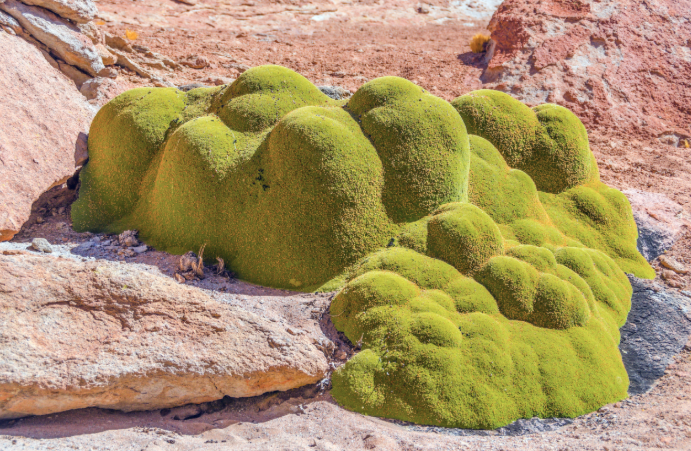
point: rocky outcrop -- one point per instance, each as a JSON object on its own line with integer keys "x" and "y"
{"x": 60, "y": 36}
{"x": 77, "y": 334}
{"x": 658, "y": 327}
{"x": 660, "y": 220}
{"x": 9, "y": 23}
{"x": 44, "y": 124}
{"x": 622, "y": 64}
{"x": 78, "y": 11}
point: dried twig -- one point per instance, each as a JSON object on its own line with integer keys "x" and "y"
{"x": 199, "y": 268}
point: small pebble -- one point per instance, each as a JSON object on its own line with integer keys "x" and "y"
{"x": 41, "y": 245}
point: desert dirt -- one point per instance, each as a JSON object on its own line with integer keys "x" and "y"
{"x": 341, "y": 44}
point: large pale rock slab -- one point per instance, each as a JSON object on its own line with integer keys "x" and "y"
{"x": 78, "y": 334}
{"x": 44, "y": 123}
{"x": 79, "y": 11}
{"x": 57, "y": 34}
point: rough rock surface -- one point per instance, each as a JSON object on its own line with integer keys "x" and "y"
{"x": 62, "y": 37}
{"x": 620, "y": 64}
{"x": 43, "y": 116}
{"x": 80, "y": 334}
{"x": 79, "y": 11}
{"x": 660, "y": 220}
{"x": 9, "y": 22}
{"x": 657, "y": 329}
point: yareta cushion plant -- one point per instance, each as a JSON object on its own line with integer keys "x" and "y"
{"x": 479, "y": 260}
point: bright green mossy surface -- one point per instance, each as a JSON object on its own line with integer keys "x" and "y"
{"x": 482, "y": 269}
{"x": 548, "y": 142}
{"x": 288, "y": 186}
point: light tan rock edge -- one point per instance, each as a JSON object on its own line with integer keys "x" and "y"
{"x": 44, "y": 123}
{"x": 60, "y": 36}
{"x": 79, "y": 11}
{"x": 81, "y": 334}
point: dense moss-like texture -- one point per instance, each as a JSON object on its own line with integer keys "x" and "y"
{"x": 286, "y": 185}
{"x": 481, "y": 269}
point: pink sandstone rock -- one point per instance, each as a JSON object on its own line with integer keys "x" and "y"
{"x": 44, "y": 124}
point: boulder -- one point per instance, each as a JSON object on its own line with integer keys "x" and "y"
{"x": 120, "y": 336}
{"x": 616, "y": 64}
{"x": 78, "y": 11}
{"x": 660, "y": 220}
{"x": 62, "y": 37}
{"x": 45, "y": 121}
{"x": 658, "y": 327}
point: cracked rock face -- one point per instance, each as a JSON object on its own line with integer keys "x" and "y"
{"x": 82, "y": 334}
{"x": 45, "y": 120}
{"x": 620, "y": 64}
{"x": 60, "y": 36}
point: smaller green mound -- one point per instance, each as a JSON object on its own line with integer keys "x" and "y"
{"x": 599, "y": 217}
{"x": 548, "y": 142}
{"x": 591, "y": 215}
{"x": 528, "y": 288}
{"x": 464, "y": 236}
{"x": 431, "y": 356}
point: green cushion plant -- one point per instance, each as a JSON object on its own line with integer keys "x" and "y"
{"x": 480, "y": 262}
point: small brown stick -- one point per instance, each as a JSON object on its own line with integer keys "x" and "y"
{"x": 199, "y": 269}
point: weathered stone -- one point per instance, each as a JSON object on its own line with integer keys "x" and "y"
{"x": 41, "y": 245}
{"x": 660, "y": 220}
{"x": 50, "y": 59}
{"x": 670, "y": 263}
{"x": 117, "y": 336}
{"x": 79, "y": 11}
{"x": 43, "y": 116}
{"x": 108, "y": 58}
{"x": 118, "y": 43}
{"x": 91, "y": 30}
{"x": 335, "y": 92}
{"x": 618, "y": 65}
{"x": 77, "y": 76}
{"x": 125, "y": 60}
{"x": 658, "y": 327}
{"x": 62, "y": 37}
{"x": 9, "y": 22}
{"x": 100, "y": 90}
{"x": 128, "y": 238}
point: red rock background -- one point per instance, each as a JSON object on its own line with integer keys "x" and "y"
{"x": 620, "y": 65}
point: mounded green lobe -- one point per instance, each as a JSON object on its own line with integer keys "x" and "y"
{"x": 125, "y": 136}
{"x": 422, "y": 144}
{"x": 271, "y": 175}
{"x": 560, "y": 312}
{"x": 466, "y": 237}
{"x": 502, "y": 294}
{"x": 426, "y": 360}
{"x": 547, "y": 142}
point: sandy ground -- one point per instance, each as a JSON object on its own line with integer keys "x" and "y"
{"x": 341, "y": 43}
